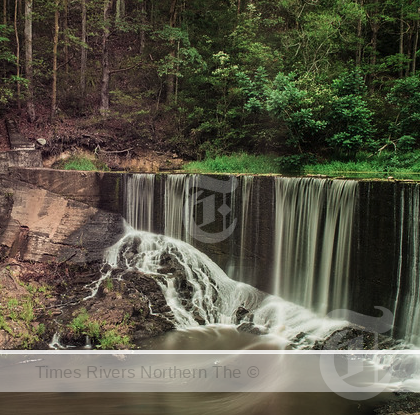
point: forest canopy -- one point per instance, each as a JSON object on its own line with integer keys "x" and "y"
{"x": 290, "y": 77}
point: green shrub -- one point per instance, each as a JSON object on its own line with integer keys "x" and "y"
{"x": 112, "y": 340}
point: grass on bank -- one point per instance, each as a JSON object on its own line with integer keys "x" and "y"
{"x": 236, "y": 163}
{"x": 364, "y": 165}
{"x": 83, "y": 163}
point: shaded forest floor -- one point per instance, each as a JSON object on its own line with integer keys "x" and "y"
{"x": 115, "y": 142}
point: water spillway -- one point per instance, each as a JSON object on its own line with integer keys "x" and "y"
{"x": 320, "y": 243}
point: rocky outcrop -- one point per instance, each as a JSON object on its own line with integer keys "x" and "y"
{"x": 39, "y": 225}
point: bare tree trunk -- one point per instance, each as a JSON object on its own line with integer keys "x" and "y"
{"x": 238, "y": 8}
{"x": 359, "y": 39}
{"x": 28, "y": 60}
{"x": 170, "y": 78}
{"x": 104, "y": 106}
{"x": 17, "y": 55}
{"x": 5, "y": 24}
{"x": 401, "y": 42}
{"x": 415, "y": 46}
{"x": 119, "y": 10}
{"x": 374, "y": 24}
{"x": 66, "y": 39}
{"x": 143, "y": 26}
{"x": 83, "y": 57}
{"x": 54, "y": 72}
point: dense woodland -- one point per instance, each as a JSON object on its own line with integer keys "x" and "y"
{"x": 290, "y": 77}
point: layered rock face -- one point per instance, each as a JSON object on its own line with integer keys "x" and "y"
{"x": 66, "y": 223}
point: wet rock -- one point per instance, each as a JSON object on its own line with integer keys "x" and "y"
{"x": 355, "y": 338}
{"x": 252, "y": 329}
{"x": 153, "y": 327}
{"x": 240, "y": 314}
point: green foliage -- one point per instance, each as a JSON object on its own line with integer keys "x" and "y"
{"x": 6, "y": 57}
{"x": 294, "y": 163}
{"x": 112, "y": 340}
{"x": 351, "y": 121}
{"x": 85, "y": 163}
{"x": 405, "y": 95}
{"x": 382, "y": 165}
{"x": 291, "y": 105}
{"x": 79, "y": 324}
{"x": 4, "y": 326}
{"x": 349, "y": 83}
{"x": 27, "y": 313}
{"x": 236, "y": 163}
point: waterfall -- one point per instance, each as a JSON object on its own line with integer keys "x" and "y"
{"x": 199, "y": 292}
{"x": 139, "y": 200}
{"x": 406, "y": 309}
{"x": 313, "y": 233}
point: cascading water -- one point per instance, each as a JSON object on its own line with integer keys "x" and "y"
{"x": 139, "y": 200}
{"x": 313, "y": 223}
{"x": 408, "y": 274}
{"x": 199, "y": 292}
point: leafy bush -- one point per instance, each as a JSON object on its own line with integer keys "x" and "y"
{"x": 294, "y": 163}
{"x": 405, "y": 95}
{"x": 350, "y": 119}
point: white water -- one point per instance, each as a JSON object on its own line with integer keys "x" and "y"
{"x": 407, "y": 299}
{"x": 313, "y": 225}
{"x": 214, "y": 297}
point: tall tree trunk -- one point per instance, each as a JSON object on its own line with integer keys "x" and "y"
{"x": 143, "y": 26}
{"x": 5, "y": 24}
{"x": 54, "y": 71}
{"x": 17, "y": 55}
{"x": 170, "y": 78}
{"x": 66, "y": 39}
{"x": 104, "y": 106}
{"x": 119, "y": 10}
{"x": 83, "y": 57}
{"x": 401, "y": 41}
{"x": 374, "y": 24}
{"x": 359, "y": 39}
{"x": 415, "y": 46}
{"x": 28, "y": 60}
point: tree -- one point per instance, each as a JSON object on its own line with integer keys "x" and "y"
{"x": 405, "y": 95}
{"x": 55, "y": 55}
{"x": 104, "y": 106}
{"x": 350, "y": 120}
{"x": 83, "y": 57}
{"x": 29, "y": 61}
{"x": 291, "y": 105}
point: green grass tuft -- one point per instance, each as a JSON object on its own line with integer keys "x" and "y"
{"x": 83, "y": 163}
{"x": 236, "y": 163}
